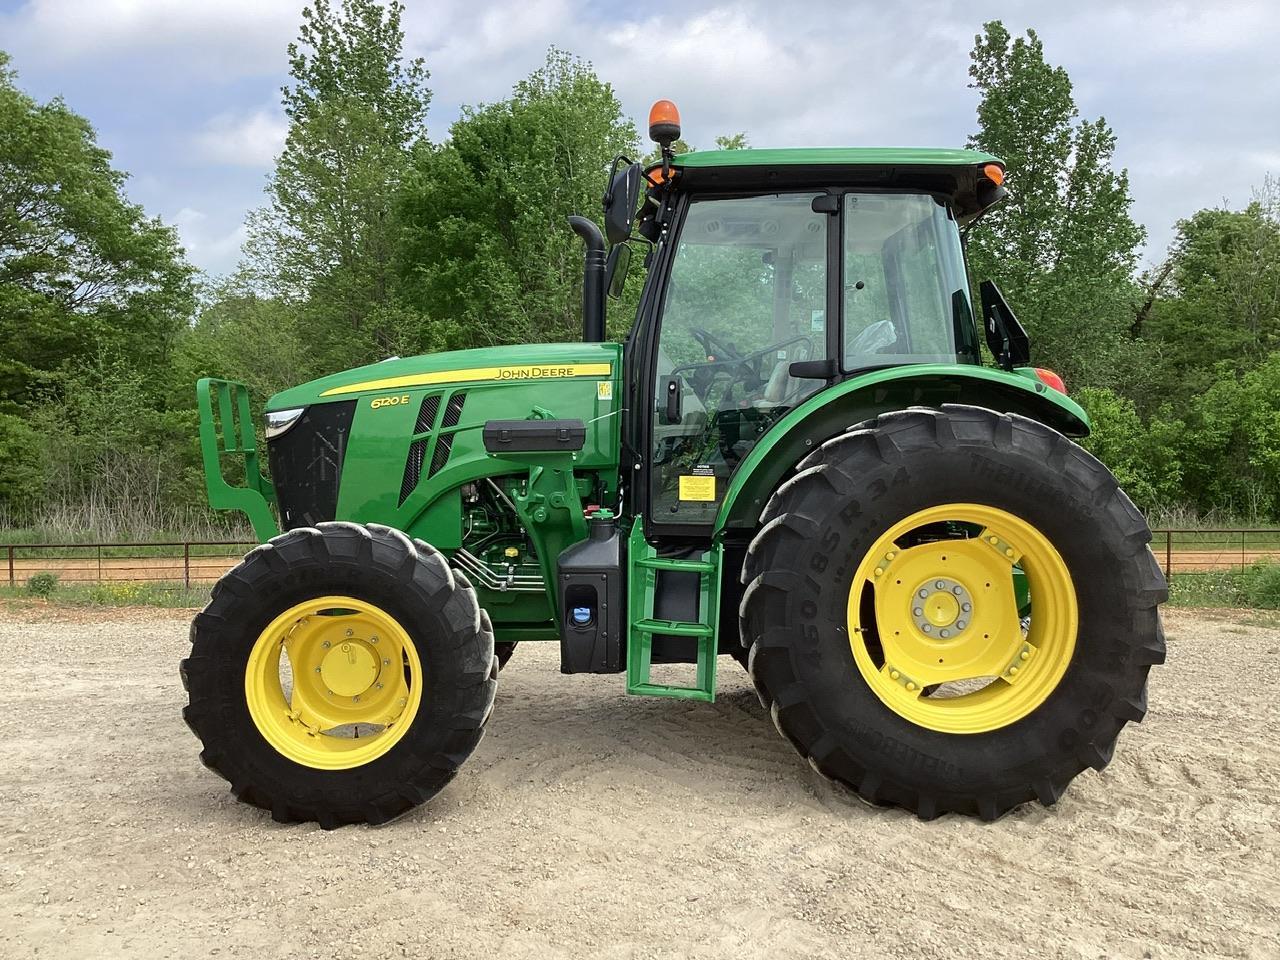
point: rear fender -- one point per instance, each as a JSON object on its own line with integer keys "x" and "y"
{"x": 833, "y": 410}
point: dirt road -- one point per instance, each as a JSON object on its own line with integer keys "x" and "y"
{"x": 590, "y": 824}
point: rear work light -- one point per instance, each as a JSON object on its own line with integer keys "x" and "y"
{"x": 1050, "y": 379}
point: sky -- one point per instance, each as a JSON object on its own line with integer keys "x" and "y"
{"x": 185, "y": 93}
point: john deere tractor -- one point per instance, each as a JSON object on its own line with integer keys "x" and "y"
{"x": 814, "y": 453}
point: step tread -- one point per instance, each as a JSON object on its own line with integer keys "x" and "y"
{"x": 677, "y": 628}
{"x": 681, "y": 566}
{"x": 665, "y": 690}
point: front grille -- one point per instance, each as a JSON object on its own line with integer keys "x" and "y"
{"x": 306, "y": 464}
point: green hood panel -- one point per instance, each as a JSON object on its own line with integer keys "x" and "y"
{"x": 518, "y": 363}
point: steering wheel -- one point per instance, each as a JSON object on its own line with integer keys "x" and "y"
{"x": 713, "y": 346}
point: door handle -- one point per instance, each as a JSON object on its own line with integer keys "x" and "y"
{"x": 671, "y": 387}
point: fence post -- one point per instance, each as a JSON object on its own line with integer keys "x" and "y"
{"x": 1168, "y": 554}
{"x": 12, "y": 582}
{"x": 1242, "y": 551}
{"x": 186, "y": 566}
{"x": 99, "y": 564}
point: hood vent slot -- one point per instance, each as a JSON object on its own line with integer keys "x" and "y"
{"x": 427, "y": 413}
{"x": 453, "y": 412}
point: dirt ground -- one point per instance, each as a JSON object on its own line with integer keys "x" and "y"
{"x": 590, "y": 824}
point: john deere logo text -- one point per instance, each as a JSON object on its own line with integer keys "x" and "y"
{"x": 395, "y": 401}
{"x": 533, "y": 373}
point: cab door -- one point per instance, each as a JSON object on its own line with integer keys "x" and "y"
{"x": 747, "y": 295}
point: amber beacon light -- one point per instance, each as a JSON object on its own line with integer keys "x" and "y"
{"x": 664, "y": 122}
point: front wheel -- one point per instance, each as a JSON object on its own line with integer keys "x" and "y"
{"x": 340, "y": 674}
{"x": 952, "y": 610}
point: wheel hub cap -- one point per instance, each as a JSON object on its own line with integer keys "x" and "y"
{"x": 349, "y": 668}
{"x": 942, "y": 608}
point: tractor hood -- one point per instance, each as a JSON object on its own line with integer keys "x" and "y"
{"x": 517, "y": 363}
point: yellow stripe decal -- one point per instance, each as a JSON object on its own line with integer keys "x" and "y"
{"x": 550, "y": 371}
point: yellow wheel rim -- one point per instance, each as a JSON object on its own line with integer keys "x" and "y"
{"x": 934, "y": 620}
{"x": 333, "y": 683}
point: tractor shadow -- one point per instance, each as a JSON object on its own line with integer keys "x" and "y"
{"x": 550, "y": 731}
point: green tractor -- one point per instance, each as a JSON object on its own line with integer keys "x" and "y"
{"x": 797, "y": 459}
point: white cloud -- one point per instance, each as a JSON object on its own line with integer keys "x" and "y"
{"x": 225, "y": 38}
{"x": 213, "y": 247}
{"x": 244, "y": 140}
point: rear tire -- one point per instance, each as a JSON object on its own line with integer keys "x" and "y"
{"x": 450, "y": 652}
{"x": 797, "y": 610}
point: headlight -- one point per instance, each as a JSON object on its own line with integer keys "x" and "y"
{"x": 279, "y": 421}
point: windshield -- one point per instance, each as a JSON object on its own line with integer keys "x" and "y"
{"x": 905, "y": 291}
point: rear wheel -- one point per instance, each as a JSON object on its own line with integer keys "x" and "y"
{"x": 952, "y": 611}
{"x": 339, "y": 674}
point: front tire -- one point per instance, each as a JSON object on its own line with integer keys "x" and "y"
{"x": 892, "y": 564}
{"x": 339, "y": 674}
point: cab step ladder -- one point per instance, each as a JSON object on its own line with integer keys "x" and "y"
{"x": 643, "y": 566}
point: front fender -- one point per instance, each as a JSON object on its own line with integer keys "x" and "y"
{"x": 832, "y": 411}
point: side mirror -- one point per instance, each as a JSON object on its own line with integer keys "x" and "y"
{"x": 615, "y": 271}
{"x": 620, "y": 202}
{"x": 1006, "y": 337}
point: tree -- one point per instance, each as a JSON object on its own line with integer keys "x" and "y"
{"x": 87, "y": 280}
{"x": 1219, "y": 305}
{"x": 1064, "y": 245}
{"x": 83, "y": 272}
{"x": 486, "y": 255}
{"x": 325, "y": 240}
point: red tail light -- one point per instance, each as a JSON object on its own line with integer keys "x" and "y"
{"x": 1051, "y": 379}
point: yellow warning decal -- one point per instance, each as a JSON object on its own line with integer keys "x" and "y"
{"x": 698, "y": 488}
{"x": 604, "y": 390}
{"x": 550, "y": 371}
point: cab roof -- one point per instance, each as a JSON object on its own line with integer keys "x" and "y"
{"x": 835, "y": 156}
{"x": 956, "y": 174}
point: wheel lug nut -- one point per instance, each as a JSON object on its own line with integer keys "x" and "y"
{"x": 959, "y": 624}
{"x": 918, "y": 612}
{"x": 349, "y": 633}
{"x": 957, "y": 590}
{"x": 373, "y": 639}
{"x": 944, "y": 634}
{"x": 939, "y": 584}
{"x": 386, "y": 662}
{"x": 924, "y": 592}
{"x": 966, "y": 607}
{"x": 317, "y": 669}
{"x": 325, "y": 644}
{"x": 927, "y": 629}
{"x": 894, "y": 674}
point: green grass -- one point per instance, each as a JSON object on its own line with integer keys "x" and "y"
{"x": 1256, "y": 588}
{"x": 119, "y": 594}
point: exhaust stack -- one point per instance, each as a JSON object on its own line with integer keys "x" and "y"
{"x": 592, "y": 279}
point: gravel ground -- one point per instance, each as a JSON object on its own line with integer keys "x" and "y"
{"x": 593, "y": 824}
